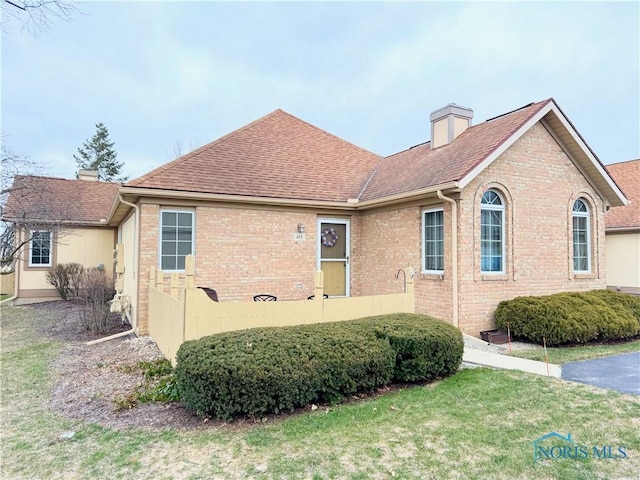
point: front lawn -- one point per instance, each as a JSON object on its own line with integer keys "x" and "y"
{"x": 477, "y": 424}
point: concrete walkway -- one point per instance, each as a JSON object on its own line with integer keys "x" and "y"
{"x": 476, "y": 352}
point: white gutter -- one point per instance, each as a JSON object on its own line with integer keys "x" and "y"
{"x": 136, "y": 234}
{"x": 454, "y": 254}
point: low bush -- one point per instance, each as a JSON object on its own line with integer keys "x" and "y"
{"x": 271, "y": 370}
{"x": 96, "y": 292}
{"x": 66, "y": 279}
{"x": 425, "y": 348}
{"x": 575, "y": 317}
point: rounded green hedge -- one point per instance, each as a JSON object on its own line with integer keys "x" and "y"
{"x": 270, "y": 370}
{"x": 574, "y": 317}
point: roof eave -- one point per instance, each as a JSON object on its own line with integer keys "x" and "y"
{"x": 408, "y": 196}
{"x": 626, "y": 229}
{"x": 136, "y": 193}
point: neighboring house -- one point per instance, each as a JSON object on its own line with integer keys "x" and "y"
{"x": 511, "y": 206}
{"x": 59, "y": 221}
{"x": 623, "y": 231}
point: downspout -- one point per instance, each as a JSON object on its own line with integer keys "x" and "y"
{"x": 136, "y": 232}
{"x": 454, "y": 254}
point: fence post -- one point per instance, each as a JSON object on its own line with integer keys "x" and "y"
{"x": 160, "y": 280}
{"x": 174, "y": 292}
{"x": 318, "y": 290}
{"x": 190, "y": 271}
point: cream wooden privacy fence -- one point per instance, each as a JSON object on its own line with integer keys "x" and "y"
{"x": 187, "y": 312}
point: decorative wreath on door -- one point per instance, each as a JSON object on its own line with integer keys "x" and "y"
{"x": 329, "y": 237}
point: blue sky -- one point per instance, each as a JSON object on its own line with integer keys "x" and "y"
{"x": 166, "y": 74}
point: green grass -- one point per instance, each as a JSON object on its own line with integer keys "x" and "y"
{"x": 478, "y": 424}
{"x": 560, "y": 355}
{"x": 4, "y": 295}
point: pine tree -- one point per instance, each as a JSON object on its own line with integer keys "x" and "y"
{"x": 98, "y": 154}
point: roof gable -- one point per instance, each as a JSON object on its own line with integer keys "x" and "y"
{"x": 277, "y": 156}
{"x": 34, "y": 199}
{"x": 627, "y": 175}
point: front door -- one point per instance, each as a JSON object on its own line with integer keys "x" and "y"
{"x": 333, "y": 258}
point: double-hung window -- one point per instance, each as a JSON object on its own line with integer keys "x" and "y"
{"x": 492, "y": 251}
{"x": 581, "y": 238}
{"x": 176, "y": 238}
{"x": 433, "y": 241}
{"x": 40, "y": 248}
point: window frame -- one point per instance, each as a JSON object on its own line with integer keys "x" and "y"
{"x": 423, "y": 215}
{"x": 587, "y": 217}
{"x": 503, "y": 244}
{"x": 161, "y": 240}
{"x": 30, "y": 263}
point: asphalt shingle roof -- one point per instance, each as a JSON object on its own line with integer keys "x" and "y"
{"x": 281, "y": 156}
{"x": 276, "y": 156}
{"x": 627, "y": 176}
{"x": 421, "y": 167}
{"x": 48, "y": 199}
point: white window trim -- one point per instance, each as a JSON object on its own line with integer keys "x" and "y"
{"x": 37, "y": 265}
{"x": 586, "y": 215}
{"x": 424, "y": 253}
{"x": 193, "y": 235}
{"x": 500, "y": 208}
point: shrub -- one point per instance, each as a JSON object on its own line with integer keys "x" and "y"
{"x": 66, "y": 278}
{"x": 263, "y": 370}
{"x": 96, "y": 292}
{"x": 425, "y": 348}
{"x": 563, "y": 318}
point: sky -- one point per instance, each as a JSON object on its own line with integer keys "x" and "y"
{"x": 167, "y": 77}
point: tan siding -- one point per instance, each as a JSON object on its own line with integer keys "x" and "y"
{"x": 623, "y": 261}
{"x": 86, "y": 246}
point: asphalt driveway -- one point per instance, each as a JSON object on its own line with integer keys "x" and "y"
{"x": 619, "y": 372}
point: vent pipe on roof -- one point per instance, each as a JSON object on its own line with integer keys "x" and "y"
{"x": 88, "y": 175}
{"x": 449, "y": 122}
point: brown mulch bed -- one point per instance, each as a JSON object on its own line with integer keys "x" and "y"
{"x": 90, "y": 379}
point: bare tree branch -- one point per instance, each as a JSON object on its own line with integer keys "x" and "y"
{"x": 28, "y": 195}
{"x": 36, "y": 16}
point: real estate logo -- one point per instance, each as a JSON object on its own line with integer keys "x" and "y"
{"x": 554, "y": 446}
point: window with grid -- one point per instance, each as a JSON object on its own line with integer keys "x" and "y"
{"x": 581, "y": 238}
{"x": 40, "y": 248}
{"x": 491, "y": 233}
{"x": 433, "y": 234}
{"x": 176, "y": 238}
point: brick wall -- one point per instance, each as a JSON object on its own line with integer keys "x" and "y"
{"x": 539, "y": 183}
{"x": 388, "y": 240}
{"x": 239, "y": 253}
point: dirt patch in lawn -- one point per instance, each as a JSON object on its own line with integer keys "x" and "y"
{"x": 89, "y": 380}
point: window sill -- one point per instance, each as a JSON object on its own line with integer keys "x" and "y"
{"x": 500, "y": 277}
{"x": 432, "y": 276}
{"x": 584, "y": 276}
{"x": 38, "y": 268}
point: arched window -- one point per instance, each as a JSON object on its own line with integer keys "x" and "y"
{"x": 492, "y": 233}
{"x": 581, "y": 237}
